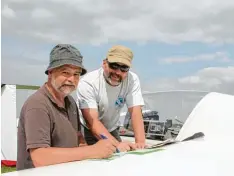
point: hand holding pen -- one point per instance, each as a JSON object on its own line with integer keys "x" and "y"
{"x": 122, "y": 146}
{"x": 103, "y": 149}
{"x": 104, "y": 137}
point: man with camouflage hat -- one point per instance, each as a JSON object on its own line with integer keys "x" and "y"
{"x": 49, "y": 126}
{"x": 103, "y": 93}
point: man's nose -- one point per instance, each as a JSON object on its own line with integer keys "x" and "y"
{"x": 118, "y": 71}
{"x": 71, "y": 78}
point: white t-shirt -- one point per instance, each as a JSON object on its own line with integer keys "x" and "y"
{"x": 94, "y": 92}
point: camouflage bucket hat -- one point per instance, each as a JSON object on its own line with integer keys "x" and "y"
{"x": 65, "y": 54}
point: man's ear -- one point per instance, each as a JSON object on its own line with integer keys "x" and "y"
{"x": 104, "y": 62}
{"x": 49, "y": 74}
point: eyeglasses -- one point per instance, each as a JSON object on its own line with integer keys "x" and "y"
{"x": 115, "y": 66}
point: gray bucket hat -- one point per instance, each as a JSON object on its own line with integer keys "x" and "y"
{"x": 63, "y": 54}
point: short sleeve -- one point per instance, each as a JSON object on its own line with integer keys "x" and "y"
{"x": 37, "y": 129}
{"x": 134, "y": 95}
{"x": 86, "y": 95}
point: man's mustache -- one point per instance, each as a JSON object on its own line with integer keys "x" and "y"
{"x": 113, "y": 74}
{"x": 69, "y": 85}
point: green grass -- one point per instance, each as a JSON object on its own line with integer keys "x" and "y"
{"x": 27, "y": 87}
{"x": 5, "y": 169}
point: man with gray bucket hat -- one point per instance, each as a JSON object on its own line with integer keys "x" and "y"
{"x": 49, "y": 126}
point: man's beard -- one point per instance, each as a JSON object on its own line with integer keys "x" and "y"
{"x": 64, "y": 88}
{"x": 113, "y": 82}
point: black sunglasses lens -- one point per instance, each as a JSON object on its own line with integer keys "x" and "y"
{"x": 116, "y": 66}
{"x": 124, "y": 69}
{"x": 113, "y": 66}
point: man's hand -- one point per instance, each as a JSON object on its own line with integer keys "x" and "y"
{"x": 140, "y": 145}
{"x": 83, "y": 144}
{"x": 103, "y": 149}
{"x": 138, "y": 126}
{"x": 126, "y": 146}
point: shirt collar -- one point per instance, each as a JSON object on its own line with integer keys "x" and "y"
{"x": 48, "y": 94}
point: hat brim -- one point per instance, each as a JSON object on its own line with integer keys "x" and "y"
{"x": 119, "y": 60}
{"x": 66, "y": 62}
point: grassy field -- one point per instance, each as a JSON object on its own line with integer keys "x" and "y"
{"x": 7, "y": 169}
{"x": 27, "y": 87}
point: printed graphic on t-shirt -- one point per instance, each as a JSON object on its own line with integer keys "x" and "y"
{"x": 120, "y": 102}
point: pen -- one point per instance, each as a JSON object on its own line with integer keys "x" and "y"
{"x": 104, "y": 137}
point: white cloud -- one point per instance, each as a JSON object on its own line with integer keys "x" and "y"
{"x": 91, "y": 21}
{"x": 217, "y": 56}
{"x": 8, "y": 12}
{"x": 15, "y": 1}
{"x": 24, "y": 63}
{"x": 191, "y": 80}
{"x": 26, "y": 72}
{"x": 41, "y": 13}
{"x": 223, "y": 74}
{"x": 104, "y": 21}
{"x": 219, "y": 79}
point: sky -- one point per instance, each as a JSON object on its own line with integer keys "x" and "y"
{"x": 177, "y": 45}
